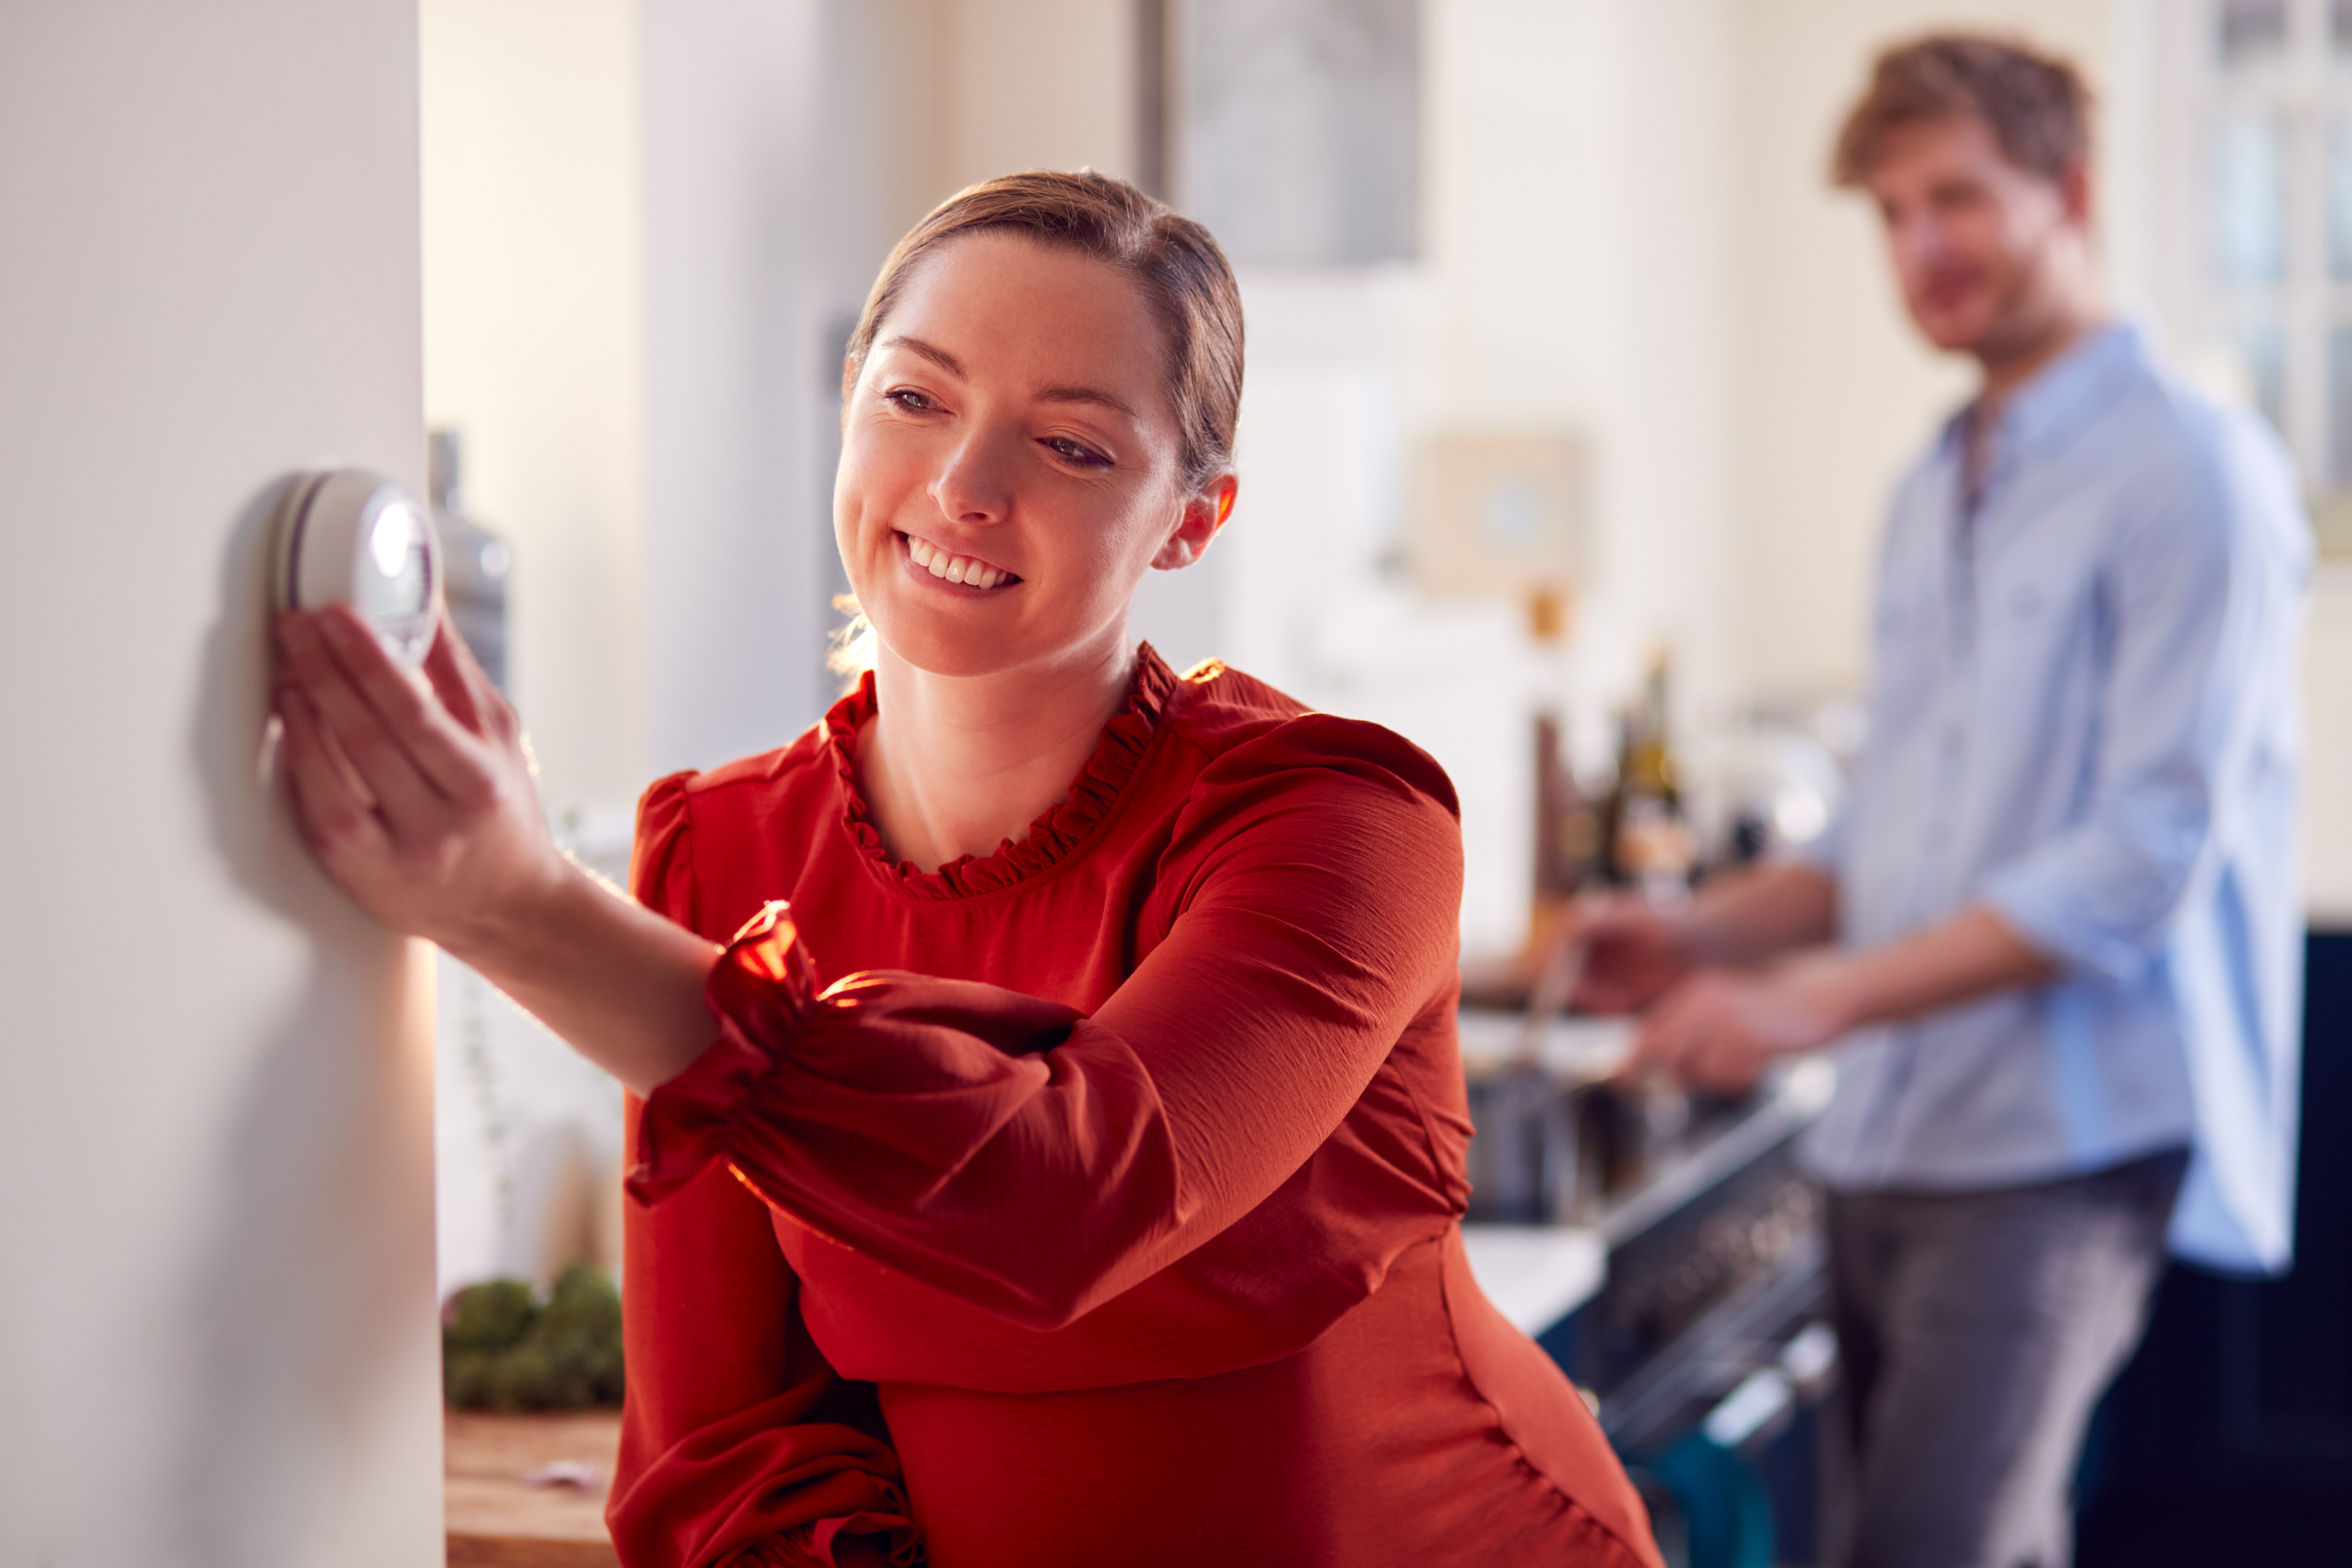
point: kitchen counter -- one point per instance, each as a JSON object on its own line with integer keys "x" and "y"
{"x": 1536, "y": 1274}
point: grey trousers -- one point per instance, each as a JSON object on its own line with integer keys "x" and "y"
{"x": 1975, "y": 1332}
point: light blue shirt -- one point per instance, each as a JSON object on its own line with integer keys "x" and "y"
{"x": 2084, "y": 715}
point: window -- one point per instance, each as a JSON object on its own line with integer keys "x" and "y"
{"x": 2277, "y": 225}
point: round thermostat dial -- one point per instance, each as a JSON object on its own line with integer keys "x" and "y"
{"x": 354, "y": 538}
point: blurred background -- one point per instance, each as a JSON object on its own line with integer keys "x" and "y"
{"x": 1563, "y": 359}
{"x": 1574, "y": 399}
{"x": 1575, "y": 396}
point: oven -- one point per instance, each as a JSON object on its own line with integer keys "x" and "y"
{"x": 1700, "y": 1331}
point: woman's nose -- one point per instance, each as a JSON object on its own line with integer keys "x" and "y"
{"x": 974, "y": 485}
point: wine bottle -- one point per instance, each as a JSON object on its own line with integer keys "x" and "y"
{"x": 1646, "y": 834}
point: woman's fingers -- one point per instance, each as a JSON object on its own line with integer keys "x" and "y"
{"x": 413, "y": 791}
{"x": 419, "y": 732}
{"x": 332, "y": 812}
{"x": 353, "y": 718}
{"x": 310, "y": 742}
{"x": 466, "y": 689}
{"x": 446, "y": 667}
{"x": 411, "y": 712}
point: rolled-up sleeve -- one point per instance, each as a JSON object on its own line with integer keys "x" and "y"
{"x": 738, "y": 1447}
{"x": 2193, "y": 598}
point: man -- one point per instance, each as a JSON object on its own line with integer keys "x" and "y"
{"x": 2066, "y": 960}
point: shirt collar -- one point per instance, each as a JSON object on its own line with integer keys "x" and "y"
{"x": 2064, "y": 395}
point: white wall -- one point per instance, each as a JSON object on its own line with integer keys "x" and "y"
{"x": 1037, "y": 84}
{"x": 1580, "y": 181}
{"x": 534, "y": 349}
{"x": 1836, "y": 393}
{"x": 1575, "y": 276}
{"x": 218, "y": 1341}
{"x": 787, "y": 147}
{"x": 950, "y": 93}
{"x": 737, "y": 558}
{"x": 1629, "y": 233}
{"x": 649, "y": 224}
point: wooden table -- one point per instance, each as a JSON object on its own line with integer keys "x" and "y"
{"x": 496, "y": 1520}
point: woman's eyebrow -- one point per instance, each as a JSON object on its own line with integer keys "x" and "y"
{"x": 1084, "y": 394}
{"x": 954, "y": 367}
{"x": 931, "y": 352}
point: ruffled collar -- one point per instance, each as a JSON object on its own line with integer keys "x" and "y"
{"x": 1053, "y": 836}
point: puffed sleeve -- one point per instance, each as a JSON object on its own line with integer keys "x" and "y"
{"x": 739, "y": 1446}
{"x": 1035, "y": 1161}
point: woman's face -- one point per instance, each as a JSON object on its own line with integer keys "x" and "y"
{"x": 1009, "y": 462}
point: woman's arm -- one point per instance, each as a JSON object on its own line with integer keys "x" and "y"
{"x": 740, "y": 1446}
{"x": 1035, "y": 1162}
{"x": 417, "y": 798}
{"x": 730, "y": 1441}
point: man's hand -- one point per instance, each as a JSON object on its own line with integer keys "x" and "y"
{"x": 1637, "y": 952}
{"x": 1634, "y": 953}
{"x": 1718, "y": 1029}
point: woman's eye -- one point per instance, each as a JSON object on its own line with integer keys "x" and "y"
{"x": 906, "y": 398}
{"x": 1071, "y": 451}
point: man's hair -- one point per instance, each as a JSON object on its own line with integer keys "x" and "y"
{"x": 2037, "y": 106}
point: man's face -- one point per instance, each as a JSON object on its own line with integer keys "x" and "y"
{"x": 1977, "y": 241}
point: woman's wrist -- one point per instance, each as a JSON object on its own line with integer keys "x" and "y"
{"x": 528, "y": 916}
{"x": 621, "y": 983}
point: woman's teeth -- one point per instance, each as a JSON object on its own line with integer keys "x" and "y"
{"x": 954, "y": 568}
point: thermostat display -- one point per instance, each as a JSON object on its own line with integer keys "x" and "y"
{"x": 355, "y": 538}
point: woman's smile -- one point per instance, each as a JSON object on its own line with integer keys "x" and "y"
{"x": 953, "y": 568}
{"x": 1009, "y": 439}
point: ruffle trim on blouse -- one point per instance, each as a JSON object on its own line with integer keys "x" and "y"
{"x": 758, "y": 991}
{"x": 820, "y": 1545}
{"x": 1052, "y": 837}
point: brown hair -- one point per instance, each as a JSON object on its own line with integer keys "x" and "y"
{"x": 1184, "y": 277}
{"x": 2037, "y": 106}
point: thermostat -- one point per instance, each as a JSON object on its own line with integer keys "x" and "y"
{"x": 354, "y": 538}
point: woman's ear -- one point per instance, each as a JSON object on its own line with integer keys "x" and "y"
{"x": 1204, "y": 513}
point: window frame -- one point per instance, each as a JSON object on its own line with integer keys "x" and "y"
{"x": 2206, "y": 318}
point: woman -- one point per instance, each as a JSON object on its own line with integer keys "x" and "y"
{"x": 1053, "y": 1132}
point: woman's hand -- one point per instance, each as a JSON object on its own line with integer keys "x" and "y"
{"x": 414, "y": 792}
{"x": 415, "y": 795}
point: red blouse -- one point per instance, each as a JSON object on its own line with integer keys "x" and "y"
{"x": 1136, "y": 1206}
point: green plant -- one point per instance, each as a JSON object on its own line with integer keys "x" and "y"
{"x": 503, "y": 1349}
